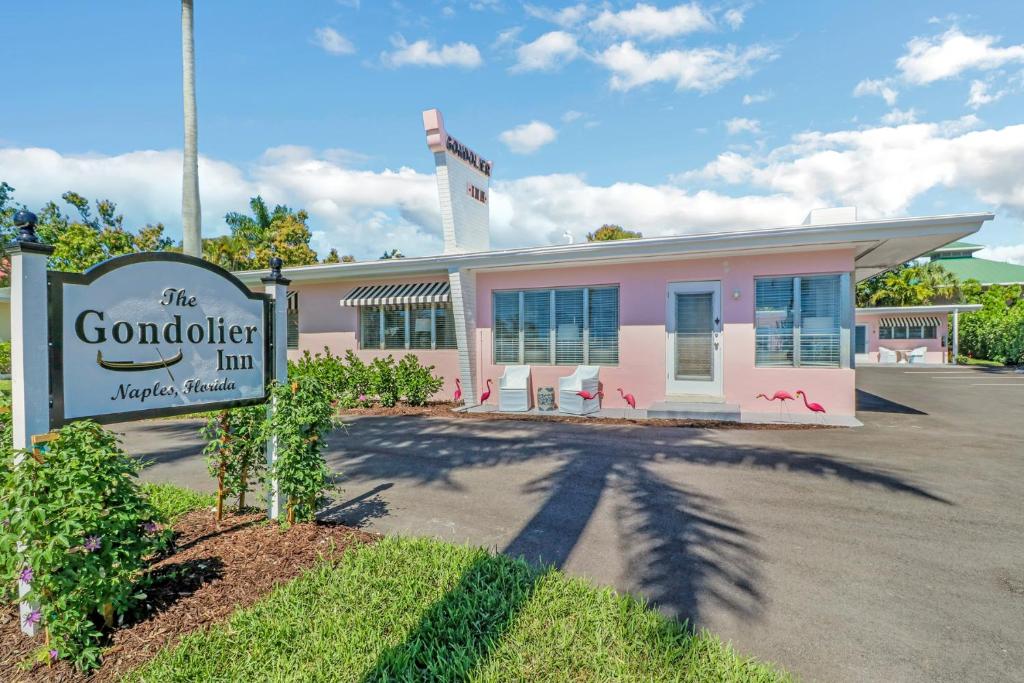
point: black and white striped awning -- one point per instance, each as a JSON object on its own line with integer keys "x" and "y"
{"x": 909, "y": 321}
{"x": 386, "y": 295}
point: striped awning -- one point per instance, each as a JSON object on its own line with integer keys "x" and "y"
{"x": 411, "y": 293}
{"x": 909, "y": 321}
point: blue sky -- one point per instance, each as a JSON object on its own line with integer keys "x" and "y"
{"x": 663, "y": 116}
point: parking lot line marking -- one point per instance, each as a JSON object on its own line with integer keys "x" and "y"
{"x": 999, "y": 384}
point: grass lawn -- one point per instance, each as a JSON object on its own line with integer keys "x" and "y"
{"x": 407, "y": 609}
{"x": 983, "y": 363}
{"x": 173, "y": 501}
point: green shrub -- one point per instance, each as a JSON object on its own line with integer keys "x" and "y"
{"x": 384, "y": 380}
{"x": 86, "y": 529}
{"x": 236, "y": 449}
{"x": 5, "y": 358}
{"x": 326, "y": 367}
{"x": 416, "y": 383}
{"x": 359, "y": 377}
{"x": 303, "y": 414}
{"x": 996, "y": 332}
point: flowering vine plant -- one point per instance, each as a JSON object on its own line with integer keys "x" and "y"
{"x": 77, "y": 529}
{"x": 236, "y": 450}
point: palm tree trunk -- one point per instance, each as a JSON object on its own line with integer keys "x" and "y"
{"x": 191, "y": 223}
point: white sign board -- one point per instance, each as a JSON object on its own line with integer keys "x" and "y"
{"x": 146, "y": 335}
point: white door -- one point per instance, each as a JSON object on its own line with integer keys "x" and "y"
{"x": 693, "y": 348}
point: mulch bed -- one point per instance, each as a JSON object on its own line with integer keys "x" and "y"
{"x": 447, "y": 409}
{"x": 210, "y": 573}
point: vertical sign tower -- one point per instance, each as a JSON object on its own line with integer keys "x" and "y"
{"x": 463, "y": 187}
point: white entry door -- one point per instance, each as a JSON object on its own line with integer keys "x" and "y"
{"x": 693, "y": 348}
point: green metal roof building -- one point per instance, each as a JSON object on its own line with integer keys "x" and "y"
{"x": 959, "y": 259}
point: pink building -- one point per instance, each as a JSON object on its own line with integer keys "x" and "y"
{"x": 908, "y": 334}
{"x": 690, "y": 325}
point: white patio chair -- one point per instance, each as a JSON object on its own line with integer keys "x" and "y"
{"x": 514, "y": 389}
{"x": 886, "y": 355}
{"x": 917, "y": 355}
{"x": 584, "y": 379}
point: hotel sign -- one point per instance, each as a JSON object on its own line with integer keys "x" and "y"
{"x": 467, "y": 155}
{"x": 147, "y": 335}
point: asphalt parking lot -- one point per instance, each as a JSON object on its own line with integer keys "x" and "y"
{"x": 894, "y": 551}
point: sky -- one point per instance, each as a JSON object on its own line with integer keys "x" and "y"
{"x": 664, "y": 117}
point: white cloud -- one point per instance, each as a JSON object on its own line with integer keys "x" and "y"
{"x": 423, "y": 53}
{"x": 548, "y": 52}
{"x": 507, "y": 36}
{"x": 650, "y": 23}
{"x": 898, "y": 117}
{"x": 571, "y": 115}
{"x": 882, "y": 170}
{"x": 527, "y": 138}
{"x": 951, "y": 53}
{"x": 1014, "y": 253}
{"x": 734, "y": 17}
{"x": 758, "y": 98}
{"x": 701, "y": 69}
{"x": 742, "y": 125}
{"x": 881, "y": 87}
{"x": 332, "y": 41}
{"x": 565, "y": 17}
{"x": 981, "y": 94}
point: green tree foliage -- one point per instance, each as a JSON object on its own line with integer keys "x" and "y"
{"x": 86, "y": 531}
{"x": 609, "y": 232}
{"x": 996, "y": 332}
{"x": 82, "y": 241}
{"x": 334, "y": 257}
{"x": 909, "y": 285}
{"x": 255, "y": 238}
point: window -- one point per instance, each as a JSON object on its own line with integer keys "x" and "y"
{"x": 407, "y": 326}
{"x": 557, "y": 326}
{"x": 797, "y": 321}
{"x": 897, "y": 331}
{"x": 860, "y": 344}
{"x": 293, "y": 320}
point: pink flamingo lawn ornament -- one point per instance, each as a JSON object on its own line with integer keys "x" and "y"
{"x": 781, "y": 396}
{"x": 586, "y": 395}
{"x": 813, "y": 407}
{"x": 628, "y": 398}
{"x": 487, "y": 394}
{"x": 458, "y": 391}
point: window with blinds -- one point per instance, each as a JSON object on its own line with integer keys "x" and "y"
{"x": 431, "y": 326}
{"x": 394, "y": 327}
{"x": 537, "y": 327}
{"x": 557, "y": 326}
{"x": 695, "y": 332}
{"x": 797, "y": 321}
{"x": 444, "y": 324}
{"x": 293, "y": 320}
{"x": 421, "y": 324}
{"x": 506, "y": 327}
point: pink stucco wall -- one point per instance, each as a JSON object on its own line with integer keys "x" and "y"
{"x": 936, "y": 352}
{"x": 642, "y": 286}
{"x": 324, "y": 322}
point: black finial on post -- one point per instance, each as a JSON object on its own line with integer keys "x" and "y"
{"x": 25, "y": 222}
{"x": 275, "y": 277}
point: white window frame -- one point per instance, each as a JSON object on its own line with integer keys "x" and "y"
{"x": 846, "y": 319}
{"x": 408, "y": 339}
{"x": 552, "y": 330}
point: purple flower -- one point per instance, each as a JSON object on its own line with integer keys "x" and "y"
{"x": 54, "y": 655}
{"x": 33, "y": 618}
{"x": 26, "y": 575}
{"x": 92, "y": 543}
{"x": 150, "y": 527}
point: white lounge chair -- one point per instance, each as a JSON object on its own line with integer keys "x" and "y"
{"x": 514, "y": 389}
{"x": 886, "y": 355}
{"x": 584, "y": 379}
{"x": 917, "y": 355}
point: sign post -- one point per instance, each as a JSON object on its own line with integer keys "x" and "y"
{"x": 30, "y": 401}
{"x": 276, "y": 287}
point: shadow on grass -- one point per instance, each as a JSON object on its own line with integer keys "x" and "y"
{"x": 461, "y": 630}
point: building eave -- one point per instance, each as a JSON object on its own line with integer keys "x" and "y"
{"x": 879, "y": 245}
{"x": 909, "y": 310}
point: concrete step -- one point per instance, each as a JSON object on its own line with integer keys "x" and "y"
{"x": 676, "y": 410}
